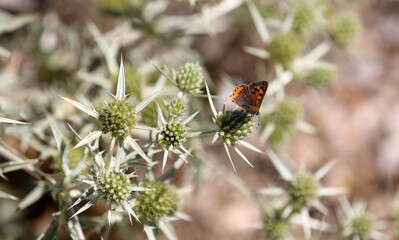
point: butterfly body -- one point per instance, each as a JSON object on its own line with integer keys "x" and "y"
{"x": 250, "y": 96}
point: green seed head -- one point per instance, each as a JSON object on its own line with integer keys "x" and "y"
{"x": 302, "y": 189}
{"x": 189, "y": 78}
{"x": 173, "y": 134}
{"x": 286, "y": 113}
{"x": 159, "y": 201}
{"x": 276, "y": 228}
{"x": 362, "y": 224}
{"x": 234, "y": 125}
{"x": 117, "y": 118}
{"x": 113, "y": 187}
{"x": 344, "y": 29}
{"x": 303, "y": 18}
{"x": 284, "y": 47}
{"x": 320, "y": 76}
{"x": 176, "y": 107}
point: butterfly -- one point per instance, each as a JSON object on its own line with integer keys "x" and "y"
{"x": 250, "y": 96}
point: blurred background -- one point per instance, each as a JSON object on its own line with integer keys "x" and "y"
{"x": 355, "y": 117}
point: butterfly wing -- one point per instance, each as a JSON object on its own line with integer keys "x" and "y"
{"x": 241, "y": 95}
{"x": 257, "y": 93}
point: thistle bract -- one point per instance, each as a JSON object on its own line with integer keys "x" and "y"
{"x": 362, "y": 224}
{"x": 234, "y": 125}
{"x": 160, "y": 200}
{"x": 117, "y": 118}
{"x": 113, "y": 187}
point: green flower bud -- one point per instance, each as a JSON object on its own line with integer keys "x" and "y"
{"x": 302, "y": 189}
{"x": 276, "y": 228}
{"x": 189, "y": 78}
{"x": 320, "y": 76}
{"x": 234, "y": 125}
{"x": 117, "y": 118}
{"x": 344, "y": 29}
{"x": 159, "y": 201}
{"x": 362, "y": 224}
{"x": 286, "y": 113}
{"x": 113, "y": 187}
{"x": 284, "y": 47}
{"x": 176, "y": 107}
{"x": 303, "y": 17}
{"x": 172, "y": 134}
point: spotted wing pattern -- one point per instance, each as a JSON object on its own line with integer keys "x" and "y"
{"x": 250, "y": 96}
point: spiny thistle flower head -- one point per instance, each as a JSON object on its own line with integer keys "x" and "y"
{"x": 177, "y": 106}
{"x": 276, "y": 228}
{"x": 234, "y": 125}
{"x": 189, "y": 77}
{"x": 302, "y": 189}
{"x": 344, "y": 29}
{"x": 160, "y": 200}
{"x": 113, "y": 187}
{"x": 173, "y": 134}
{"x": 286, "y": 113}
{"x": 303, "y": 17}
{"x": 284, "y": 47}
{"x": 362, "y": 224}
{"x": 320, "y": 76}
{"x": 118, "y": 118}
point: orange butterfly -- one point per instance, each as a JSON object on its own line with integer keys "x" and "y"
{"x": 250, "y": 96}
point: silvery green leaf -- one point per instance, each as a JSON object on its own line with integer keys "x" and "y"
{"x": 267, "y": 132}
{"x": 5, "y": 195}
{"x": 249, "y": 146}
{"x": 273, "y": 191}
{"x": 34, "y": 195}
{"x": 183, "y": 216}
{"x": 210, "y": 100}
{"x": 8, "y": 120}
{"x": 57, "y": 132}
{"x": 89, "y": 138}
{"x": 287, "y": 23}
{"x": 165, "y": 158}
{"x": 188, "y": 119}
{"x": 146, "y": 101}
{"x": 257, "y": 52}
{"x": 89, "y": 111}
{"x": 278, "y": 84}
{"x": 186, "y": 151}
{"x": 319, "y": 51}
{"x": 320, "y": 207}
{"x": 167, "y": 229}
{"x": 319, "y": 174}
{"x": 10, "y": 22}
{"x": 168, "y": 174}
{"x": 129, "y": 209}
{"x": 109, "y": 50}
{"x": 284, "y": 172}
{"x": 149, "y": 231}
{"x": 243, "y": 156}
{"x": 84, "y": 195}
{"x": 137, "y": 148}
{"x": 160, "y": 117}
{"x": 143, "y": 127}
{"x": 259, "y": 22}
{"x": 201, "y": 133}
{"x": 86, "y": 206}
{"x": 332, "y": 191}
{"x": 96, "y": 79}
{"x": 228, "y": 155}
{"x": 305, "y": 127}
{"x": 140, "y": 189}
{"x": 75, "y": 229}
{"x": 12, "y": 166}
{"x": 120, "y": 89}
{"x": 215, "y": 137}
{"x": 306, "y": 222}
{"x": 51, "y": 232}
